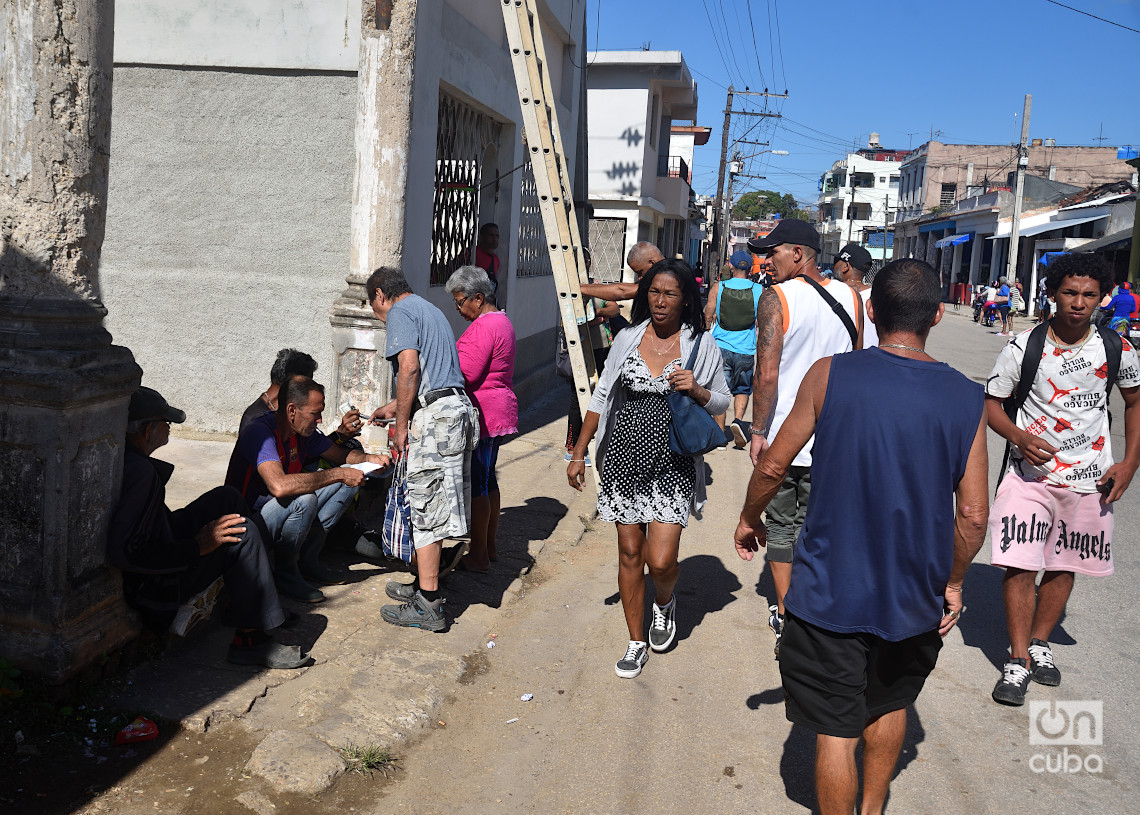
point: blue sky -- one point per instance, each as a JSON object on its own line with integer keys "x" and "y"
{"x": 897, "y": 67}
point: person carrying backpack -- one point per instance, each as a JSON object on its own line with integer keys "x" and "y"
{"x": 731, "y": 311}
{"x": 1048, "y": 397}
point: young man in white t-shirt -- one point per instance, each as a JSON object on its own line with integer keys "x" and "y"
{"x": 1053, "y": 510}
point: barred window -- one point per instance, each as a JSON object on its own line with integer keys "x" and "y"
{"x": 463, "y": 138}
{"x": 533, "y": 254}
{"x": 607, "y": 246}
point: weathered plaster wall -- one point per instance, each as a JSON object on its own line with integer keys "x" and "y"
{"x": 228, "y": 227}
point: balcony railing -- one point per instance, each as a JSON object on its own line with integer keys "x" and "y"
{"x": 673, "y": 167}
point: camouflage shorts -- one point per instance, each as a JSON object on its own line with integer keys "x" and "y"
{"x": 439, "y": 469}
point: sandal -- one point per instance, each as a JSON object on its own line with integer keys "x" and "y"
{"x": 269, "y": 654}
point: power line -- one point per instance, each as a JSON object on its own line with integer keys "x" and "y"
{"x": 780, "y": 43}
{"x": 716, "y": 40}
{"x": 771, "y": 47}
{"x": 1102, "y": 19}
{"x": 755, "y": 47}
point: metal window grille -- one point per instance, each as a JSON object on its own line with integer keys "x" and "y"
{"x": 948, "y": 194}
{"x": 462, "y": 139}
{"x": 533, "y": 255}
{"x": 607, "y": 245}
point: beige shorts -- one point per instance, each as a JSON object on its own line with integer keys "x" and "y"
{"x": 439, "y": 470}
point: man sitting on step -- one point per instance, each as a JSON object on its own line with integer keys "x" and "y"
{"x": 168, "y": 557}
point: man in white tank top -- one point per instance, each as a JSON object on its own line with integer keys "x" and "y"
{"x": 796, "y": 325}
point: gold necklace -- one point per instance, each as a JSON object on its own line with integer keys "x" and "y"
{"x": 657, "y": 349}
{"x": 1064, "y": 346}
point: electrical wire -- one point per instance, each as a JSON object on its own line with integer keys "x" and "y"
{"x": 755, "y": 47}
{"x": 780, "y": 43}
{"x": 1102, "y": 19}
{"x": 716, "y": 41}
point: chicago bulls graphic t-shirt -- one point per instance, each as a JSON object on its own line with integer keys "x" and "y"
{"x": 1067, "y": 407}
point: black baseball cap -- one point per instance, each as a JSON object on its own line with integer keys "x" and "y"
{"x": 147, "y": 404}
{"x": 788, "y": 230}
{"x": 856, "y": 255}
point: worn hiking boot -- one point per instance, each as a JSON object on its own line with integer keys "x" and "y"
{"x": 1010, "y": 689}
{"x": 416, "y": 613}
{"x": 636, "y": 655}
{"x": 1041, "y": 667}
{"x": 663, "y": 629}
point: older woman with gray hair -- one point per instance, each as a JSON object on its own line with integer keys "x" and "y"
{"x": 487, "y": 359}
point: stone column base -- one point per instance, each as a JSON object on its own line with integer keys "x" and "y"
{"x": 63, "y": 413}
{"x": 362, "y": 375}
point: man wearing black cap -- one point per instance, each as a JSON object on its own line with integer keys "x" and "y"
{"x": 802, "y": 319}
{"x": 168, "y": 557}
{"x": 851, "y": 266}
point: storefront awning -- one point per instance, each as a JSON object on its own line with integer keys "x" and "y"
{"x": 952, "y": 240}
{"x": 1049, "y": 257}
{"x": 1048, "y": 226}
{"x": 936, "y": 227}
{"x": 1117, "y": 240}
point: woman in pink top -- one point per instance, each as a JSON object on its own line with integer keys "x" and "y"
{"x": 487, "y": 359}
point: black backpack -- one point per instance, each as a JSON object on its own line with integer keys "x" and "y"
{"x": 1034, "y": 348}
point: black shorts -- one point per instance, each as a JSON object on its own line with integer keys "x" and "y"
{"x": 836, "y": 683}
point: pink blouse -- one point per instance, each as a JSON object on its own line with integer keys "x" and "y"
{"x": 487, "y": 359}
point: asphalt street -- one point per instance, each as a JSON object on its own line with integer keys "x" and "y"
{"x": 703, "y": 728}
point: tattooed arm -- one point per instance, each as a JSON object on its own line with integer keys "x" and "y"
{"x": 765, "y": 382}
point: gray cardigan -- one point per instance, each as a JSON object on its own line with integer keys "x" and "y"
{"x": 608, "y": 400}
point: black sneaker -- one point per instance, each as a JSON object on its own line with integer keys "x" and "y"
{"x": 663, "y": 629}
{"x": 636, "y": 655}
{"x": 1010, "y": 689}
{"x": 776, "y": 623}
{"x": 1041, "y": 667}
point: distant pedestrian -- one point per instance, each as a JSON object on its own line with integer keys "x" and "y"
{"x": 487, "y": 360}
{"x": 647, "y": 490}
{"x": 731, "y": 311}
{"x": 852, "y": 265}
{"x": 891, "y": 530}
{"x": 1054, "y": 507}
{"x": 640, "y": 259}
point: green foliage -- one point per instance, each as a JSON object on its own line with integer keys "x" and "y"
{"x": 369, "y": 758}
{"x": 760, "y": 204}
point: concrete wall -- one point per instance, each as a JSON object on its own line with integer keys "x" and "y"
{"x": 227, "y": 227}
{"x": 619, "y": 142}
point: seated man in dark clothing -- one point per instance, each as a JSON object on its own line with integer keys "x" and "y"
{"x": 167, "y": 557}
{"x": 289, "y": 363}
{"x": 297, "y": 508}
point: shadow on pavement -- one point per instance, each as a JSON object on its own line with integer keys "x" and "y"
{"x": 983, "y": 624}
{"x": 705, "y": 587}
{"x": 519, "y": 527}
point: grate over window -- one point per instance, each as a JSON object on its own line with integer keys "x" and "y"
{"x": 607, "y": 244}
{"x": 462, "y": 140}
{"x": 946, "y": 199}
{"x": 534, "y": 255}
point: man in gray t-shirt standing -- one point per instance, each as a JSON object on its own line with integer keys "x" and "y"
{"x": 435, "y": 428}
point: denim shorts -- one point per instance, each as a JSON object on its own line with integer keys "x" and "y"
{"x": 738, "y": 370}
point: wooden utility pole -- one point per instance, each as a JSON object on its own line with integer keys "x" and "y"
{"x": 1015, "y": 225}
{"x": 718, "y": 207}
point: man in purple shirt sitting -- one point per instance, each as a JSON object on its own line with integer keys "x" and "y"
{"x": 267, "y": 467}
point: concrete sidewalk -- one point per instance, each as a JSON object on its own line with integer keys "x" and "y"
{"x": 372, "y": 683}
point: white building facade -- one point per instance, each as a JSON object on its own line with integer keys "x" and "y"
{"x": 640, "y": 174}
{"x": 857, "y": 199}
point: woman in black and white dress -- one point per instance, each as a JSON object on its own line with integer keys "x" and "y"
{"x": 646, "y": 489}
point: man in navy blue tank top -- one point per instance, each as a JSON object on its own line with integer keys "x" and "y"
{"x": 898, "y": 510}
